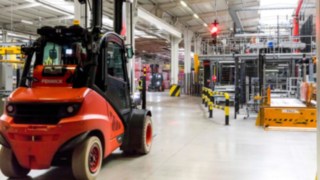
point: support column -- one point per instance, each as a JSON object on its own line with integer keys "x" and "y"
{"x": 311, "y": 73}
{"x": 80, "y": 14}
{"x": 318, "y": 84}
{"x": 4, "y": 35}
{"x": 197, "y": 45}
{"x": 6, "y": 69}
{"x": 174, "y": 60}
{"x": 187, "y": 35}
{"x": 196, "y": 89}
{"x": 130, "y": 21}
{"x": 236, "y": 87}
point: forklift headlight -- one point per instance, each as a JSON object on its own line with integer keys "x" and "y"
{"x": 10, "y": 109}
{"x": 70, "y": 109}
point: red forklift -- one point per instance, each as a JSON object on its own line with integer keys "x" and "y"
{"x": 73, "y": 104}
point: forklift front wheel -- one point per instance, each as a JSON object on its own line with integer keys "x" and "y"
{"x": 87, "y": 158}
{"x": 10, "y": 166}
{"x": 147, "y": 136}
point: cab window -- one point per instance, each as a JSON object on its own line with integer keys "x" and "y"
{"x": 65, "y": 54}
{"x": 52, "y": 54}
{"x": 114, "y": 61}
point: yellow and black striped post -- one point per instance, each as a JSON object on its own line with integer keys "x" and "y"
{"x": 140, "y": 84}
{"x": 208, "y": 101}
{"x": 144, "y": 88}
{"x": 210, "y": 109}
{"x": 203, "y": 97}
{"x": 226, "y": 108}
{"x": 144, "y": 71}
{"x": 174, "y": 90}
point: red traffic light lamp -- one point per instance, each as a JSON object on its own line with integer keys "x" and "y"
{"x": 214, "y": 30}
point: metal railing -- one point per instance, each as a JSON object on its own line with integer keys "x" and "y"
{"x": 251, "y": 44}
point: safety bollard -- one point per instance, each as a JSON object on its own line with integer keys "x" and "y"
{"x": 206, "y": 102}
{"x": 210, "y": 109}
{"x": 226, "y": 108}
{"x": 203, "y": 98}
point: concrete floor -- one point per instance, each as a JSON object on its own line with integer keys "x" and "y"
{"x": 189, "y": 146}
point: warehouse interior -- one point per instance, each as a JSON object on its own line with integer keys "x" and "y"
{"x": 159, "y": 89}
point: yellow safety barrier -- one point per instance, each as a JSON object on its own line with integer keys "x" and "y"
{"x": 174, "y": 90}
{"x": 208, "y": 101}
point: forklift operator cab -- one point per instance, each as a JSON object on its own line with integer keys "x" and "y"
{"x": 65, "y": 64}
{"x": 114, "y": 78}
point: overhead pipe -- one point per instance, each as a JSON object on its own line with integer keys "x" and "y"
{"x": 296, "y": 19}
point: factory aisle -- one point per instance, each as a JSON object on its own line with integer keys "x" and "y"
{"x": 189, "y": 146}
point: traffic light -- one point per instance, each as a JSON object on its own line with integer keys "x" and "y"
{"x": 314, "y": 60}
{"x": 214, "y": 30}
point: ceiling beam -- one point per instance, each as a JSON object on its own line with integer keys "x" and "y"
{"x": 203, "y": 15}
{"x": 172, "y": 5}
{"x": 208, "y": 35}
{"x": 168, "y": 6}
{"x": 18, "y": 7}
{"x": 271, "y": 8}
{"x": 235, "y": 17}
{"x": 50, "y": 7}
{"x": 36, "y": 22}
{"x": 198, "y": 27}
{"x": 159, "y": 23}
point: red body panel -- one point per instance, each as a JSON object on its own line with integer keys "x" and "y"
{"x": 36, "y": 145}
{"x": 52, "y": 81}
{"x": 49, "y": 94}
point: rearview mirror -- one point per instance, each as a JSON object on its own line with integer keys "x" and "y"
{"x": 129, "y": 52}
{"x": 53, "y": 54}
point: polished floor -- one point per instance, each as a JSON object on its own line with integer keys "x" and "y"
{"x": 189, "y": 146}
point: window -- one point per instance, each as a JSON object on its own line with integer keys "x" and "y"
{"x": 63, "y": 54}
{"x": 51, "y": 55}
{"x": 114, "y": 60}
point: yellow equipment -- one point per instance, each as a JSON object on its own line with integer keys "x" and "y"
{"x": 287, "y": 112}
{"x": 12, "y": 52}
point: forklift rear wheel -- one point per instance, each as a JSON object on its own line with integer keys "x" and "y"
{"x": 87, "y": 159}
{"x": 10, "y": 166}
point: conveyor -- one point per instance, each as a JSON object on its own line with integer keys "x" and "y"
{"x": 226, "y": 89}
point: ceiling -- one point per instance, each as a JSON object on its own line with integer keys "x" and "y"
{"x": 26, "y": 16}
{"x": 198, "y": 15}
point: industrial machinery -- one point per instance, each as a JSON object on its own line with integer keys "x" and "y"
{"x": 73, "y": 105}
{"x": 288, "y": 112}
{"x": 11, "y": 62}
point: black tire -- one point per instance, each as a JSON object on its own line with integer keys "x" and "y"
{"x": 10, "y": 166}
{"x": 147, "y": 136}
{"x": 87, "y": 159}
{"x": 140, "y": 136}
